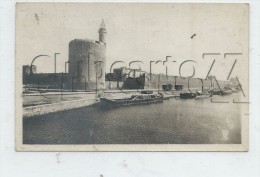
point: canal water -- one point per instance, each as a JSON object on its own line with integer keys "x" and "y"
{"x": 175, "y": 121}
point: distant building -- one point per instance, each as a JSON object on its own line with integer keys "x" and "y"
{"x": 126, "y": 78}
{"x": 122, "y": 73}
{"x": 27, "y": 69}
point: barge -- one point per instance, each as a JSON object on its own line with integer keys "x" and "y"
{"x": 133, "y": 100}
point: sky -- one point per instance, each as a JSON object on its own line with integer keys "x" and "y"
{"x": 145, "y": 32}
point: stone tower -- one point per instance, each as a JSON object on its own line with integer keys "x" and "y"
{"x": 87, "y": 61}
{"x": 102, "y": 32}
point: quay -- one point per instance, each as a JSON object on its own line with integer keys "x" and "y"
{"x": 43, "y": 103}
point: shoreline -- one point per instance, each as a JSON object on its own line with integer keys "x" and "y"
{"x": 50, "y": 102}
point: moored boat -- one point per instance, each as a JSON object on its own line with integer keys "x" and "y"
{"x": 234, "y": 90}
{"x": 133, "y": 100}
{"x": 221, "y": 92}
{"x": 226, "y": 92}
{"x": 215, "y": 92}
{"x": 187, "y": 95}
{"x": 201, "y": 95}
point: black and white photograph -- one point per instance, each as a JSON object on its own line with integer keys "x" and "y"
{"x": 132, "y": 77}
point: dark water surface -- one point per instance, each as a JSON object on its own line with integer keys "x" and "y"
{"x": 174, "y": 121}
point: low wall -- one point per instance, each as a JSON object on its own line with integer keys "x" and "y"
{"x": 55, "y": 107}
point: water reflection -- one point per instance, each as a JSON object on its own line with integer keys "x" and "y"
{"x": 174, "y": 121}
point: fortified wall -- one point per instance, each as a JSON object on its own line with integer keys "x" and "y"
{"x": 87, "y": 61}
{"x": 160, "y": 79}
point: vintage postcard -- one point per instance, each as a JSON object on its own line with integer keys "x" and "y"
{"x": 132, "y": 77}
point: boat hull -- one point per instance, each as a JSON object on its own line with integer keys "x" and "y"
{"x": 202, "y": 96}
{"x": 187, "y": 95}
{"x": 226, "y": 92}
{"x": 109, "y": 103}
